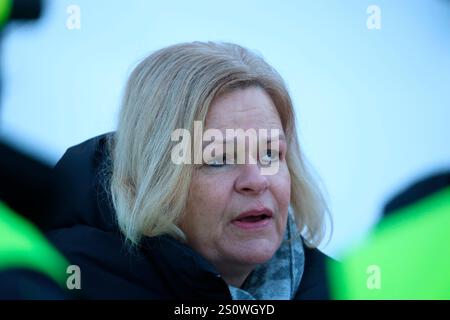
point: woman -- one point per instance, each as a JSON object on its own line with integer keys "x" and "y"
{"x": 214, "y": 228}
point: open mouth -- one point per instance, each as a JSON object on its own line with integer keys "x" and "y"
{"x": 254, "y": 219}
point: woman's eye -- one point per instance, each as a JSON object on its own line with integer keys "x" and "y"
{"x": 216, "y": 163}
{"x": 270, "y": 156}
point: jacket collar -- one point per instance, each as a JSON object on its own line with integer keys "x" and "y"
{"x": 189, "y": 275}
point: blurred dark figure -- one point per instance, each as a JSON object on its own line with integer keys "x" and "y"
{"x": 417, "y": 191}
{"x": 30, "y": 268}
{"x": 26, "y": 185}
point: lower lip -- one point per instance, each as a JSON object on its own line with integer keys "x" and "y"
{"x": 252, "y": 225}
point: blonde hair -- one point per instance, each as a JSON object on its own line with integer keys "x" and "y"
{"x": 171, "y": 89}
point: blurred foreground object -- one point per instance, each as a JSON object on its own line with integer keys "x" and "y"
{"x": 27, "y": 185}
{"x": 408, "y": 255}
{"x": 30, "y": 267}
{"x": 19, "y": 10}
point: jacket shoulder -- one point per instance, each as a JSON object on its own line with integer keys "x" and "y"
{"x": 109, "y": 269}
{"x": 83, "y": 171}
{"x": 314, "y": 284}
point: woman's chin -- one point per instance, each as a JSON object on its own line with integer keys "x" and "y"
{"x": 253, "y": 252}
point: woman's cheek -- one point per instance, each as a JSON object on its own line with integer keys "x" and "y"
{"x": 282, "y": 185}
{"x": 213, "y": 191}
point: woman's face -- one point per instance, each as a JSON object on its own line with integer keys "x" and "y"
{"x": 219, "y": 194}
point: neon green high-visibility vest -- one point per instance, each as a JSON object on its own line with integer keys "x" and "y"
{"x": 23, "y": 246}
{"x": 5, "y": 11}
{"x": 407, "y": 256}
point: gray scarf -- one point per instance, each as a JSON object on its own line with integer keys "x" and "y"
{"x": 278, "y": 278}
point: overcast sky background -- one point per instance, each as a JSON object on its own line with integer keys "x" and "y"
{"x": 373, "y": 105}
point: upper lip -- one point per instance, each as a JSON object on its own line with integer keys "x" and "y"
{"x": 254, "y": 213}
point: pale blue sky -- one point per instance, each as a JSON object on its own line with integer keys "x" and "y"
{"x": 373, "y": 105}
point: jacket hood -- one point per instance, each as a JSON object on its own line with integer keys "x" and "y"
{"x": 86, "y": 198}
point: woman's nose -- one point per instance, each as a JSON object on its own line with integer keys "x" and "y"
{"x": 250, "y": 180}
